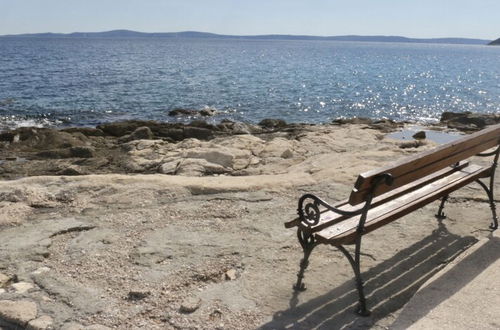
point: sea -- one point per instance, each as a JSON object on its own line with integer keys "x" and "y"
{"x": 88, "y": 81}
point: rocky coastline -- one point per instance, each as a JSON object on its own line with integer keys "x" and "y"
{"x": 168, "y": 148}
{"x": 151, "y": 225}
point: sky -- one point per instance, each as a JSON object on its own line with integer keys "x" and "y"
{"x": 416, "y": 18}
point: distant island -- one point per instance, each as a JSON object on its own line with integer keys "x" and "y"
{"x": 495, "y": 42}
{"x": 205, "y": 35}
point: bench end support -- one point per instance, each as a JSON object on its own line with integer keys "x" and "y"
{"x": 308, "y": 243}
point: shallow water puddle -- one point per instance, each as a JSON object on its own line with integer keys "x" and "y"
{"x": 436, "y": 136}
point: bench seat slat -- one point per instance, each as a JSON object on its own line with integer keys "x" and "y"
{"x": 414, "y": 167}
{"x": 345, "y": 232}
{"x": 329, "y": 218}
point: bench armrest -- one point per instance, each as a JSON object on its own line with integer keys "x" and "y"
{"x": 293, "y": 223}
{"x": 310, "y": 213}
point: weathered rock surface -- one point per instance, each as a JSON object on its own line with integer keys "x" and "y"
{"x": 32, "y": 240}
{"x": 78, "y": 326}
{"x": 4, "y": 280}
{"x": 189, "y": 305}
{"x": 384, "y": 125}
{"x": 468, "y": 121}
{"x": 125, "y": 251}
{"x": 85, "y": 300}
{"x": 44, "y": 322}
{"x": 22, "y": 287}
{"x": 272, "y": 123}
{"x": 137, "y": 146}
{"x": 17, "y": 313}
{"x": 140, "y": 133}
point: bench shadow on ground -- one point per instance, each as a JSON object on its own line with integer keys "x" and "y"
{"x": 388, "y": 287}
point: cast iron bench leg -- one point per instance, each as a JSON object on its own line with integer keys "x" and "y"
{"x": 440, "y": 214}
{"x": 308, "y": 244}
{"x": 355, "y": 264}
{"x": 491, "y": 199}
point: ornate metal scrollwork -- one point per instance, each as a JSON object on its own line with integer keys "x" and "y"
{"x": 310, "y": 213}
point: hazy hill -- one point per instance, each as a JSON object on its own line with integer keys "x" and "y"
{"x": 495, "y": 42}
{"x": 200, "y": 35}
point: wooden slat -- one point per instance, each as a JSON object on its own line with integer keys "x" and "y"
{"x": 329, "y": 218}
{"x": 421, "y": 165}
{"x": 345, "y": 231}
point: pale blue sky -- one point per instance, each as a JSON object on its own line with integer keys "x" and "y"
{"x": 417, "y": 18}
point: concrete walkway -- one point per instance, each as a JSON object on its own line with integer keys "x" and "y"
{"x": 463, "y": 295}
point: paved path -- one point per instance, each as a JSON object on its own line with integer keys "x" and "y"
{"x": 464, "y": 295}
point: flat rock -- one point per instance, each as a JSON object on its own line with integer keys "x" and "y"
{"x": 182, "y": 245}
{"x": 229, "y": 293}
{"x": 22, "y": 287}
{"x": 469, "y": 121}
{"x": 18, "y": 312}
{"x": 41, "y": 270}
{"x": 199, "y": 167}
{"x": 85, "y": 299}
{"x": 44, "y": 322}
{"x": 92, "y": 241}
{"x": 33, "y": 239}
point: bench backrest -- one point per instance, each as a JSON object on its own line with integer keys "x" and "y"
{"x": 415, "y": 167}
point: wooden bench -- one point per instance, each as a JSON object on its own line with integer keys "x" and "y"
{"x": 383, "y": 195}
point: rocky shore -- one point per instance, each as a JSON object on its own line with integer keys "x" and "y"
{"x": 195, "y": 149}
{"x": 153, "y": 225}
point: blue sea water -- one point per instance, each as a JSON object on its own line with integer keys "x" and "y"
{"x": 64, "y": 81}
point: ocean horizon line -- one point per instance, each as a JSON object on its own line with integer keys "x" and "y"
{"x": 123, "y": 33}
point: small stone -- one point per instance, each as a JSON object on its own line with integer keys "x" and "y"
{"x": 138, "y": 294}
{"x": 4, "y": 280}
{"x": 240, "y": 128}
{"x": 231, "y": 275}
{"x": 287, "y": 154}
{"x": 40, "y": 270}
{"x": 207, "y": 112}
{"x": 169, "y": 167}
{"x": 140, "y": 133}
{"x": 18, "y": 312}
{"x": 2, "y": 291}
{"x": 82, "y": 152}
{"x": 22, "y": 287}
{"x": 42, "y": 323}
{"x": 189, "y": 305}
{"x": 182, "y": 112}
{"x": 419, "y": 135}
{"x": 272, "y": 123}
{"x": 412, "y": 144}
{"x": 71, "y": 170}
